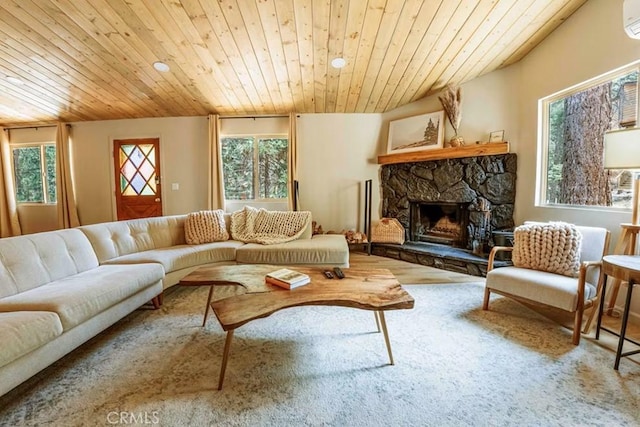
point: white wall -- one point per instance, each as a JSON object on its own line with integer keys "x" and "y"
{"x": 488, "y": 104}
{"x": 183, "y": 160}
{"x": 337, "y": 153}
{"x": 35, "y": 218}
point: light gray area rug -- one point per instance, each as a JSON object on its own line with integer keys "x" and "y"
{"x": 456, "y": 365}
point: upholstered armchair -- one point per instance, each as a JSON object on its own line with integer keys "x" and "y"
{"x": 571, "y": 292}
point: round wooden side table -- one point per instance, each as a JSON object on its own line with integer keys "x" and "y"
{"x": 625, "y": 268}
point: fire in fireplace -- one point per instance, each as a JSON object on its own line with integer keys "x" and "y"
{"x": 444, "y": 223}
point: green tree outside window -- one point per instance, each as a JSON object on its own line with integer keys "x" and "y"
{"x": 255, "y": 168}
{"x": 576, "y": 123}
{"x": 34, "y": 168}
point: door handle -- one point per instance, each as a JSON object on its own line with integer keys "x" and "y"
{"x": 157, "y": 199}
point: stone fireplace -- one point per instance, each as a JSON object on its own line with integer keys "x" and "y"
{"x": 455, "y": 202}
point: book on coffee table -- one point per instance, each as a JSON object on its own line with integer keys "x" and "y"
{"x": 287, "y": 279}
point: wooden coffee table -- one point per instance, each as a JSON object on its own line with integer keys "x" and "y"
{"x": 367, "y": 289}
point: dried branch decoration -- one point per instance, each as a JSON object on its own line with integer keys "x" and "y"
{"x": 451, "y": 101}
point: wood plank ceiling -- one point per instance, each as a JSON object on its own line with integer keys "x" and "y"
{"x": 79, "y": 60}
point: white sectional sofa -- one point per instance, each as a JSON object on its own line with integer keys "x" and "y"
{"x": 59, "y": 289}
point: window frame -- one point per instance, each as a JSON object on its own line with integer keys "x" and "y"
{"x": 43, "y": 172}
{"x": 256, "y": 158}
{"x": 543, "y": 135}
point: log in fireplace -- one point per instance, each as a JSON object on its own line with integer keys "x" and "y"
{"x": 444, "y": 223}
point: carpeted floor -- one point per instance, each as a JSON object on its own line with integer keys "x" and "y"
{"x": 455, "y": 366}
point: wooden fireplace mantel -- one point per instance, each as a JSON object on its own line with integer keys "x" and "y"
{"x": 446, "y": 153}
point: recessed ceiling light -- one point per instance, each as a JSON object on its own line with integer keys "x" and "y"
{"x": 338, "y": 62}
{"x": 14, "y": 80}
{"x": 161, "y": 66}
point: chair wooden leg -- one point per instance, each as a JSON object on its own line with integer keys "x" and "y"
{"x": 592, "y": 315}
{"x": 485, "y": 303}
{"x": 595, "y": 304}
{"x": 577, "y": 326}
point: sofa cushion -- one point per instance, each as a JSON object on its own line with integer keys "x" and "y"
{"x": 114, "y": 239}
{"x": 548, "y": 288}
{"x": 21, "y": 332}
{"x": 29, "y": 261}
{"x": 183, "y": 256}
{"x": 79, "y": 297}
{"x": 205, "y": 227}
{"x": 329, "y": 249}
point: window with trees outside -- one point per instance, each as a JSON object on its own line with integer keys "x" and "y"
{"x": 34, "y": 171}
{"x": 574, "y": 123}
{"x": 255, "y": 167}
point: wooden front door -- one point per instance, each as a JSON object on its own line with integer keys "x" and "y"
{"x": 137, "y": 173}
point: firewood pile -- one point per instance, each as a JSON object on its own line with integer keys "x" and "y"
{"x": 352, "y": 236}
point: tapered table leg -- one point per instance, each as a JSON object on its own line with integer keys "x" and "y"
{"x": 375, "y": 314}
{"x": 383, "y": 323}
{"x": 225, "y": 357}
{"x": 206, "y": 310}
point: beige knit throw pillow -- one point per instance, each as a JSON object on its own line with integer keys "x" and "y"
{"x": 552, "y": 247}
{"x": 205, "y": 227}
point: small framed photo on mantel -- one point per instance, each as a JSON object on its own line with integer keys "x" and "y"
{"x": 496, "y": 136}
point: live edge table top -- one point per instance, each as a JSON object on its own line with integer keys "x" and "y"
{"x": 363, "y": 288}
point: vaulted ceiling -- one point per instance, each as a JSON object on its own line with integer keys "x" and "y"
{"x": 77, "y": 60}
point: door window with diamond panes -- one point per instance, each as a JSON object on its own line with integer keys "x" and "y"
{"x": 137, "y": 170}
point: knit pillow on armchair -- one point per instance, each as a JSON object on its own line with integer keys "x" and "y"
{"x": 552, "y": 247}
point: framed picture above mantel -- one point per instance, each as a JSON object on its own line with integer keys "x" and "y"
{"x": 417, "y": 133}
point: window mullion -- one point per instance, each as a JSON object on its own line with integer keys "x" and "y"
{"x": 43, "y": 173}
{"x": 256, "y": 170}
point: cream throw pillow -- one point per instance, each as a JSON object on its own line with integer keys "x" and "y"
{"x": 552, "y": 247}
{"x": 205, "y": 227}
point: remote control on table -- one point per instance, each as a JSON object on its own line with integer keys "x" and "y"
{"x": 328, "y": 274}
{"x": 338, "y": 272}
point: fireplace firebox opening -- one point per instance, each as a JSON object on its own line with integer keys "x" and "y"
{"x": 444, "y": 223}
